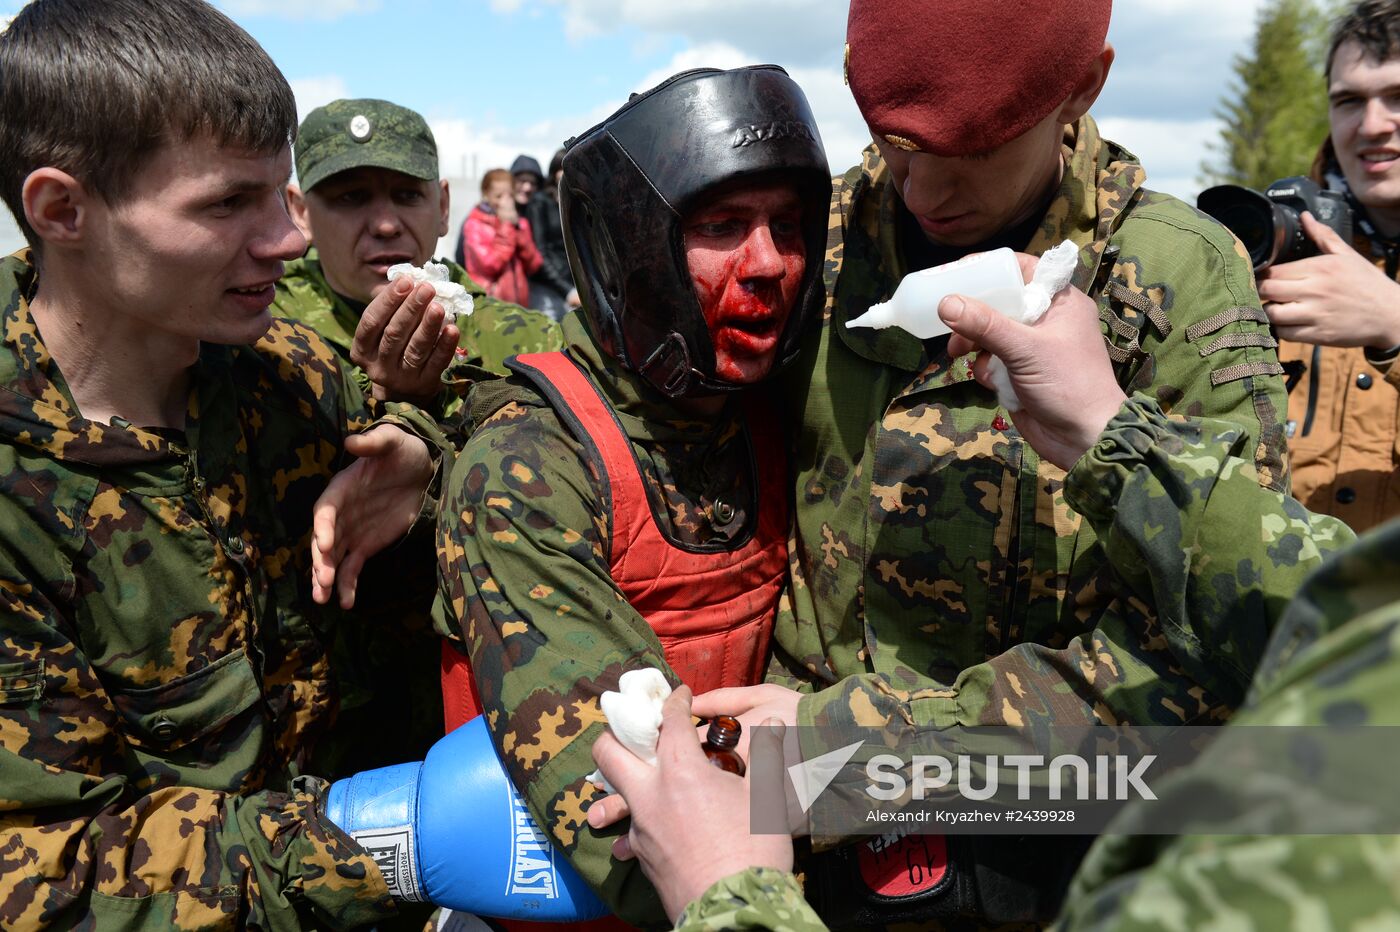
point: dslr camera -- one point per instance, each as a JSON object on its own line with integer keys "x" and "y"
{"x": 1269, "y": 224}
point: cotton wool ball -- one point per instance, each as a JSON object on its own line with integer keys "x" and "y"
{"x": 634, "y": 714}
{"x": 454, "y": 298}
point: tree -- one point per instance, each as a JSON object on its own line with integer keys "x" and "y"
{"x": 1275, "y": 110}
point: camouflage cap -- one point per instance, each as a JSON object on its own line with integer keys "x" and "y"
{"x": 346, "y": 134}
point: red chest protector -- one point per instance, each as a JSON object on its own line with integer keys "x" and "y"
{"x": 713, "y": 611}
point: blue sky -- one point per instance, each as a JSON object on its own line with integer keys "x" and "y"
{"x": 498, "y": 77}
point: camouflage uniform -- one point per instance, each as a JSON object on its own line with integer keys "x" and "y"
{"x": 386, "y": 661}
{"x": 1186, "y": 524}
{"x": 387, "y": 669}
{"x": 523, "y": 549}
{"x": 495, "y": 330}
{"x": 1331, "y": 661}
{"x": 931, "y": 541}
{"x": 163, "y": 673}
{"x": 349, "y": 134}
{"x": 759, "y": 898}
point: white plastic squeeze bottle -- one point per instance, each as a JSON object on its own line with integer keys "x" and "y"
{"x": 993, "y": 278}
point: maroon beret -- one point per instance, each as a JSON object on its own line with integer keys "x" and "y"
{"x": 961, "y": 77}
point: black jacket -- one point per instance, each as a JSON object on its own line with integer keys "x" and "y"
{"x": 543, "y": 214}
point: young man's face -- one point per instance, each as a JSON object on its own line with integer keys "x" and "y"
{"x": 966, "y": 200}
{"x": 746, "y": 259}
{"x": 197, "y": 244}
{"x": 1364, "y": 111}
{"x": 364, "y": 220}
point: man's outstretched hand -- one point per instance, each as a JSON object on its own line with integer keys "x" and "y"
{"x": 402, "y": 343}
{"x": 1059, "y": 367}
{"x": 368, "y": 506}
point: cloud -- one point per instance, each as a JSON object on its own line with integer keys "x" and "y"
{"x": 315, "y": 91}
{"x": 10, "y": 236}
{"x": 1233, "y": 20}
{"x": 1168, "y": 66}
{"x": 796, "y": 32}
{"x": 300, "y": 9}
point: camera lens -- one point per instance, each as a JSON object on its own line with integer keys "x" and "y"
{"x": 1265, "y": 228}
{"x": 1254, "y": 227}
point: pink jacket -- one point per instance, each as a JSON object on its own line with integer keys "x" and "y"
{"x": 500, "y": 256}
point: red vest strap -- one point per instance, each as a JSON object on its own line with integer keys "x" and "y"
{"x": 712, "y": 610}
{"x": 593, "y": 422}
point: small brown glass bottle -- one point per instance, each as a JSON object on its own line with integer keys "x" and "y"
{"x": 720, "y": 742}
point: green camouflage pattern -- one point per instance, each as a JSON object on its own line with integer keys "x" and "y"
{"x": 494, "y": 332}
{"x": 1180, "y": 510}
{"x": 523, "y": 545}
{"x": 163, "y": 677}
{"x": 1332, "y": 660}
{"x": 346, "y": 134}
{"x": 758, "y": 898}
{"x": 940, "y": 572}
{"x": 386, "y": 663}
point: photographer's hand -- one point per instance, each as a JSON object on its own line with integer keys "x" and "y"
{"x": 1338, "y": 298}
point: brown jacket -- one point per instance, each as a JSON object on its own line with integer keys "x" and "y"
{"x": 1344, "y": 419}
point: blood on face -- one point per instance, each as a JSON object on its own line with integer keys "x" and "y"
{"x": 746, "y": 257}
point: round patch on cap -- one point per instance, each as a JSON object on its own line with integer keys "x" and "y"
{"x": 360, "y": 128}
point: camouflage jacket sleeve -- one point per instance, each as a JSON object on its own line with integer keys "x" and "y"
{"x": 522, "y": 543}
{"x": 81, "y": 842}
{"x": 758, "y": 898}
{"x": 1330, "y": 665}
{"x": 1207, "y": 561}
{"x": 1184, "y": 325}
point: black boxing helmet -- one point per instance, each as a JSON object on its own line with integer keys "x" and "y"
{"x": 630, "y": 180}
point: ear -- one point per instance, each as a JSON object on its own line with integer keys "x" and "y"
{"x": 445, "y": 208}
{"x": 56, "y": 205}
{"x": 1089, "y": 86}
{"x": 296, "y": 209}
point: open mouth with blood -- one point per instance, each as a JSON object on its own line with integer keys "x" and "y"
{"x": 747, "y": 322}
{"x": 754, "y": 327}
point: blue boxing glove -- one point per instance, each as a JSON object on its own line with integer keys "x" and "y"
{"x": 453, "y": 831}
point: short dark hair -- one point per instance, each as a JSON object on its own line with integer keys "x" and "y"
{"x": 1372, "y": 24}
{"x": 93, "y": 87}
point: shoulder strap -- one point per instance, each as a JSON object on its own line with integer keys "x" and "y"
{"x": 578, "y": 403}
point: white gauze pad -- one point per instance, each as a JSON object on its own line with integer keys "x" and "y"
{"x": 454, "y": 298}
{"x": 634, "y": 714}
{"x": 1052, "y": 275}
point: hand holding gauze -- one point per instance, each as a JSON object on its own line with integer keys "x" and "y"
{"x": 634, "y": 714}
{"x": 994, "y": 278}
{"x": 454, "y": 298}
